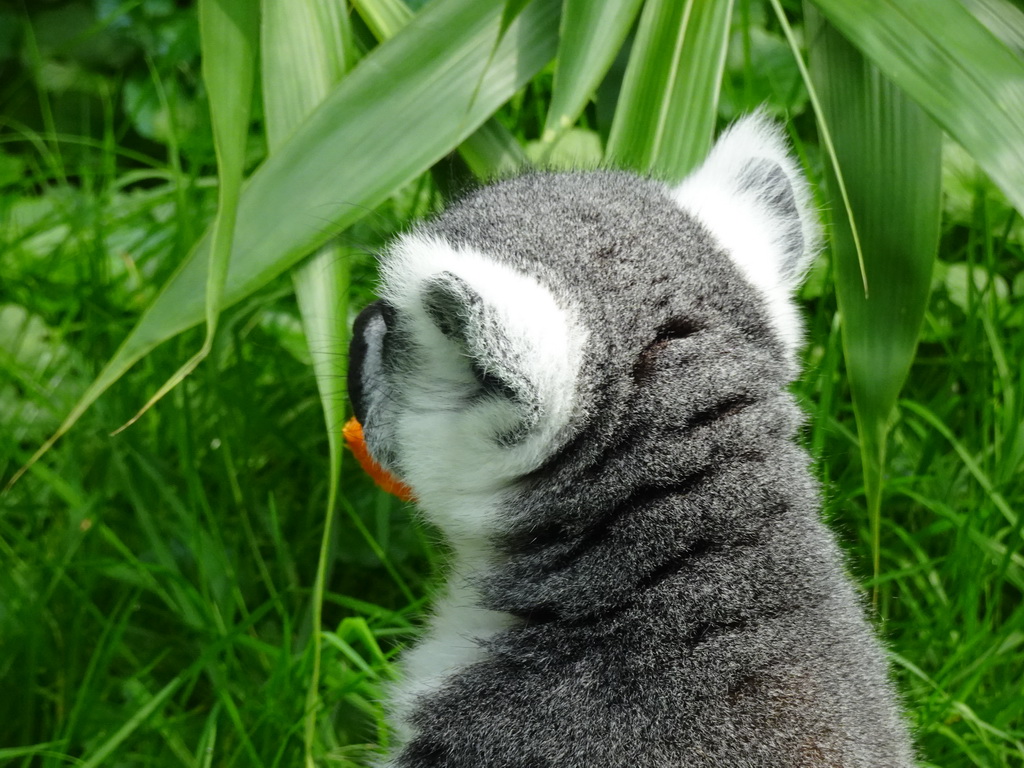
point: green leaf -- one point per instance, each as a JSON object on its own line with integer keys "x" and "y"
{"x": 665, "y": 118}
{"x": 1002, "y": 19}
{"x": 492, "y": 149}
{"x": 229, "y": 30}
{"x": 512, "y": 9}
{"x": 384, "y": 17}
{"x": 946, "y": 59}
{"x": 576, "y": 148}
{"x": 406, "y": 105}
{"x": 306, "y": 45}
{"x": 592, "y": 32}
{"x": 889, "y": 153}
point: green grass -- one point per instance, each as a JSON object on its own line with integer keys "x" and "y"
{"x": 156, "y": 588}
{"x": 952, "y": 570}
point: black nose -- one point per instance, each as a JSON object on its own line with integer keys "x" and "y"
{"x": 357, "y": 355}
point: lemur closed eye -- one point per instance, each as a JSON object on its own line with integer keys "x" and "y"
{"x": 583, "y": 379}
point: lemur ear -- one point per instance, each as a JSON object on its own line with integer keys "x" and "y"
{"x": 522, "y": 345}
{"x": 752, "y": 197}
{"x": 456, "y": 309}
{"x": 462, "y": 316}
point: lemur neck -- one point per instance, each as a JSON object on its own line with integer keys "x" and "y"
{"x": 670, "y": 511}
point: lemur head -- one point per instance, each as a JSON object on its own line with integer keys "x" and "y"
{"x": 546, "y": 302}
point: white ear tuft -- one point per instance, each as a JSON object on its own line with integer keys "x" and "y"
{"x": 470, "y": 310}
{"x": 752, "y": 197}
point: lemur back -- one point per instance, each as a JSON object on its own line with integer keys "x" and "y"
{"x": 583, "y": 378}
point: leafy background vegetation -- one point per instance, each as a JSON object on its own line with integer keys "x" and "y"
{"x": 159, "y": 589}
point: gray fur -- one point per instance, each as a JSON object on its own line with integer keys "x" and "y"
{"x": 677, "y": 601}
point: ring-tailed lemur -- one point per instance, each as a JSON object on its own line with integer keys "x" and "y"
{"x": 582, "y": 377}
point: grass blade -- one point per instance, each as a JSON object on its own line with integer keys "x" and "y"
{"x": 954, "y": 67}
{"x": 665, "y": 117}
{"x": 825, "y": 134}
{"x": 356, "y": 148}
{"x": 591, "y": 34}
{"x": 970, "y": 462}
{"x": 107, "y": 748}
{"x": 889, "y": 153}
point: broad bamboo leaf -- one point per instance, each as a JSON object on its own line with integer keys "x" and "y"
{"x": 385, "y": 18}
{"x": 591, "y": 35}
{"x": 954, "y": 67}
{"x": 306, "y": 44}
{"x": 823, "y": 130}
{"x": 889, "y": 152}
{"x": 512, "y": 9}
{"x": 492, "y": 150}
{"x": 1002, "y": 19}
{"x": 229, "y": 30}
{"x": 306, "y": 48}
{"x": 406, "y": 105}
{"x": 665, "y": 118}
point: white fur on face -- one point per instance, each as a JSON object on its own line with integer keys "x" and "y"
{"x": 447, "y": 441}
{"x": 748, "y": 229}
